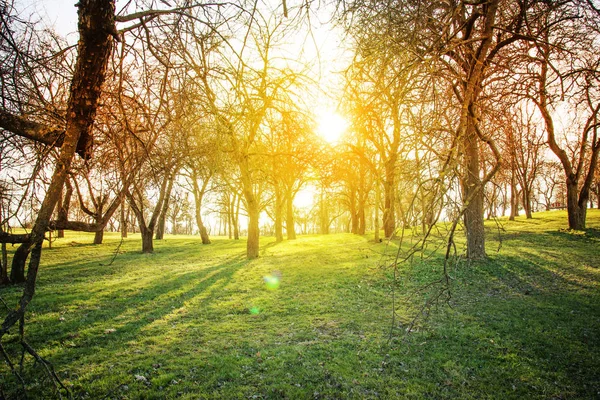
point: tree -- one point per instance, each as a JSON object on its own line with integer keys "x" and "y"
{"x": 97, "y": 31}
{"x": 565, "y": 66}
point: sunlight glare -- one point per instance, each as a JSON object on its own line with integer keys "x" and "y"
{"x": 331, "y": 126}
{"x": 304, "y": 198}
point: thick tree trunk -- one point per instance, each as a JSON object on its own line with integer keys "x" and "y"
{"x": 362, "y": 225}
{"x": 473, "y": 194}
{"x": 527, "y": 202}
{"x": 99, "y": 237}
{"x": 253, "y": 231}
{"x": 576, "y": 210}
{"x": 17, "y": 269}
{"x": 290, "y": 224}
{"x": 147, "y": 242}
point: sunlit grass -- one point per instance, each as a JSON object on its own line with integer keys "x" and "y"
{"x": 194, "y": 321}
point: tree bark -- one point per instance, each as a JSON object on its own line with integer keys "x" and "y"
{"x": 377, "y": 203}
{"x": 278, "y": 215}
{"x": 147, "y": 242}
{"x": 389, "y": 194}
{"x": 4, "y": 266}
{"x": 160, "y": 229}
{"x": 253, "y": 230}
{"x": 290, "y": 224}
{"x": 473, "y": 194}
{"x": 236, "y": 219}
{"x": 124, "y": 220}
{"x": 514, "y": 198}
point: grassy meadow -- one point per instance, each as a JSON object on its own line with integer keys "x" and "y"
{"x": 202, "y": 322}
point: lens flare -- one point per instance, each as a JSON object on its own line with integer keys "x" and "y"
{"x": 254, "y": 310}
{"x": 272, "y": 280}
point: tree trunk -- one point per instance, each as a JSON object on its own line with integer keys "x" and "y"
{"x": 362, "y": 224}
{"x": 236, "y": 218}
{"x": 527, "y": 202}
{"x": 4, "y": 267}
{"x": 98, "y": 237}
{"x": 124, "y": 219}
{"x": 389, "y": 212}
{"x": 514, "y": 198}
{"x": 201, "y": 227}
{"x": 290, "y": 224}
{"x": 353, "y": 212}
{"x": 17, "y": 269}
{"x": 377, "y": 202}
{"x": 576, "y": 210}
{"x": 147, "y": 242}
{"x": 63, "y": 207}
{"x": 323, "y": 215}
{"x": 253, "y": 231}
{"x": 278, "y": 216}
{"x": 473, "y": 194}
{"x": 160, "y": 229}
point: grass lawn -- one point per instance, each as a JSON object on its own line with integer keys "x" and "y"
{"x": 201, "y": 322}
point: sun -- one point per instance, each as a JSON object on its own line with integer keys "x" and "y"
{"x": 331, "y": 126}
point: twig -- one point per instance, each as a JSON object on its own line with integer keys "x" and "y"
{"x": 116, "y": 253}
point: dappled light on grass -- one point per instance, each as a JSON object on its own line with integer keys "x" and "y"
{"x": 313, "y": 315}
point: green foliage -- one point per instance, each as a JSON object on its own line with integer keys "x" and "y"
{"x": 194, "y": 321}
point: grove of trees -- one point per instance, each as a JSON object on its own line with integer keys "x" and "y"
{"x": 200, "y": 118}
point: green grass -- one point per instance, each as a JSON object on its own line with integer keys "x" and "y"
{"x": 200, "y": 322}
